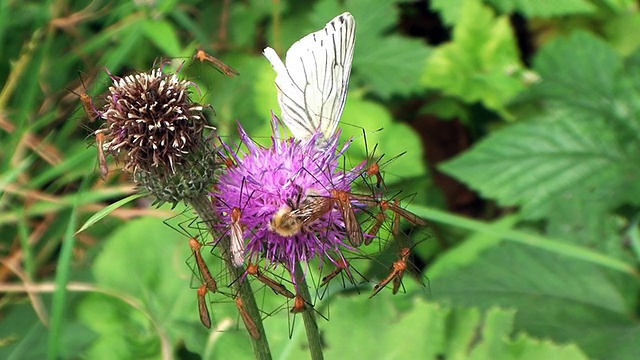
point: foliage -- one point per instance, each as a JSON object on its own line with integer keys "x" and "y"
{"x": 548, "y": 269}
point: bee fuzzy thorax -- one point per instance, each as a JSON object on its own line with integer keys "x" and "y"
{"x": 284, "y": 224}
{"x": 291, "y": 219}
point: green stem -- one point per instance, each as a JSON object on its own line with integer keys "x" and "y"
{"x": 206, "y": 212}
{"x": 309, "y": 317}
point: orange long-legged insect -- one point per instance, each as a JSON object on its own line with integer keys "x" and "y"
{"x": 251, "y": 326}
{"x": 207, "y": 278}
{"x": 352, "y": 226}
{"x": 299, "y": 305}
{"x": 397, "y": 271}
{"x": 254, "y": 270}
{"x": 89, "y": 107}
{"x": 203, "y": 310}
{"x": 408, "y": 215}
{"x": 341, "y": 264}
{"x": 381, "y": 217}
{"x": 222, "y": 67}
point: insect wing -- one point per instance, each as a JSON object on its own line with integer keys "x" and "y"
{"x": 89, "y": 108}
{"x": 237, "y": 244}
{"x": 102, "y": 158}
{"x": 218, "y": 64}
{"x": 373, "y": 231}
{"x": 354, "y": 231}
{"x": 379, "y": 286}
{"x": 397, "y": 271}
{"x": 312, "y": 86}
{"x": 203, "y": 310}
{"x": 251, "y": 326}
{"x": 411, "y": 217}
{"x": 397, "y": 282}
{"x": 312, "y": 208}
{"x": 275, "y": 286}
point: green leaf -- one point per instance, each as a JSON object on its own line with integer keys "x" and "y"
{"x": 410, "y": 328}
{"x": 580, "y": 71}
{"x": 584, "y": 148}
{"x": 555, "y": 297}
{"x": 388, "y": 64}
{"x": 544, "y": 9}
{"x": 107, "y": 210}
{"x": 481, "y": 64}
{"x": 616, "y": 31}
{"x": 163, "y": 35}
{"x": 393, "y": 328}
{"x": 391, "y": 65}
{"x": 450, "y": 10}
{"x": 526, "y": 237}
{"x": 537, "y": 163}
{"x": 382, "y": 130}
{"x": 526, "y": 348}
{"x": 151, "y": 296}
{"x": 27, "y": 337}
{"x": 593, "y": 229}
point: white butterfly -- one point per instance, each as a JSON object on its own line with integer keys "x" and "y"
{"x": 312, "y": 86}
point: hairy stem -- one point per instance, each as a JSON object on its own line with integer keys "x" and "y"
{"x": 309, "y": 317}
{"x": 205, "y": 210}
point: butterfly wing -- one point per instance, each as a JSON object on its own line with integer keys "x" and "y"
{"x": 312, "y": 86}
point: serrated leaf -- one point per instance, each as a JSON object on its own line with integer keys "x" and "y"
{"x": 556, "y": 297}
{"x": 593, "y": 229}
{"x": 481, "y": 63}
{"x": 391, "y": 65}
{"x": 489, "y": 339}
{"x": 583, "y": 74}
{"x": 526, "y": 348}
{"x": 388, "y": 327}
{"x": 537, "y": 163}
{"x": 377, "y": 329}
{"x": 579, "y": 71}
{"x": 584, "y": 147}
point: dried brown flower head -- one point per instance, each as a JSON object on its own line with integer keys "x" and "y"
{"x": 153, "y": 126}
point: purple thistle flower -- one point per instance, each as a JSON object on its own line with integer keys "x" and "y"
{"x": 265, "y": 183}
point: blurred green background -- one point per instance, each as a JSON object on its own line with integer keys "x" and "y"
{"x": 521, "y": 122}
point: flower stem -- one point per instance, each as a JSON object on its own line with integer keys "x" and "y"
{"x": 205, "y": 210}
{"x": 309, "y": 317}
